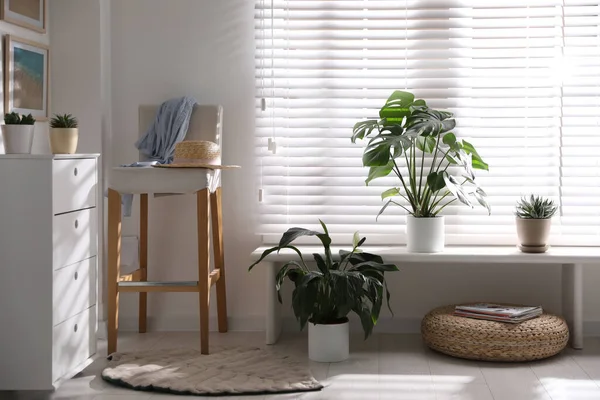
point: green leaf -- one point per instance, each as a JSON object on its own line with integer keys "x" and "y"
{"x": 343, "y": 254}
{"x": 362, "y": 129}
{"x": 481, "y": 199}
{"x": 377, "y": 155}
{"x": 383, "y": 209}
{"x": 304, "y": 297}
{"x": 452, "y": 158}
{"x": 366, "y": 319}
{"x": 324, "y": 227}
{"x": 321, "y": 263}
{"x": 449, "y": 139}
{"x": 389, "y": 193}
{"x": 263, "y": 256}
{"x": 435, "y": 181}
{"x": 397, "y": 106}
{"x": 476, "y": 162}
{"x": 294, "y": 233}
{"x": 379, "y": 172}
{"x": 402, "y": 98}
{"x": 448, "y": 125}
{"x": 372, "y": 265}
{"x": 455, "y": 188}
{"x": 426, "y": 144}
{"x": 290, "y": 268}
{"x": 358, "y": 258}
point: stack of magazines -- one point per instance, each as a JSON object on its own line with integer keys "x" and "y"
{"x": 498, "y": 312}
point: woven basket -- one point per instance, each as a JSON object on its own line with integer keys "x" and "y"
{"x": 475, "y": 339}
{"x": 202, "y": 149}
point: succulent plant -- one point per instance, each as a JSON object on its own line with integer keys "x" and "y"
{"x": 63, "y": 121}
{"x": 536, "y": 207}
{"x": 27, "y": 120}
{"x": 14, "y": 118}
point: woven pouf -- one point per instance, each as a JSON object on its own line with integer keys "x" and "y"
{"x": 475, "y": 339}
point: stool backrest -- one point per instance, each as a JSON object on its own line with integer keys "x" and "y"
{"x": 205, "y": 124}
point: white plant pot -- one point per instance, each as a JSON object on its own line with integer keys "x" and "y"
{"x": 425, "y": 235}
{"x": 17, "y": 139}
{"x": 328, "y": 343}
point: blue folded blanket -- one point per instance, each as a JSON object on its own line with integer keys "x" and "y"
{"x": 158, "y": 143}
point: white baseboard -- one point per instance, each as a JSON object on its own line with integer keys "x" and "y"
{"x": 257, "y": 324}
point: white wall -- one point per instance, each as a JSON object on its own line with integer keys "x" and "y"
{"x": 204, "y": 48}
{"x": 75, "y": 67}
{"x": 40, "y": 139}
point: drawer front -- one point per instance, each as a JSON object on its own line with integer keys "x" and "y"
{"x": 74, "y": 237}
{"x": 73, "y": 342}
{"x": 73, "y": 290}
{"x": 74, "y": 185}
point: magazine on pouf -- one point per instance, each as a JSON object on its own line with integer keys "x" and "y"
{"x": 498, "y": 312}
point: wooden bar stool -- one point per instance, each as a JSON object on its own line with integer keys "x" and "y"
{"x": 205, "y": 124}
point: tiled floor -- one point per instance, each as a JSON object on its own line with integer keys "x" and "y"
{"x": 386, "y": 367}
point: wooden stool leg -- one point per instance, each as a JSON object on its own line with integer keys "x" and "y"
{"x": 216, "y": 213}
{"x": 143, "y": 301}
{"x": 203, "y": 266}
{"x": 114, "y": 264}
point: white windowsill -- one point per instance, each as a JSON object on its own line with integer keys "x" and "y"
{"x": 453, "y": 254}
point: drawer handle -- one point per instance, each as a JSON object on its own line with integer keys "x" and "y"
{"x": 75, "y": 328}
{"x": 76, "y": 275}
{"x": 75, "y": 171}
{"x": 76, "y": 224}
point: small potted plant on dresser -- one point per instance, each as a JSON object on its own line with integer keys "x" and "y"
{"x": 534, "y": 220}
{"x": 64, "y": 134}
{"x": 432, "y": 167}
{"x": 17, "y": 133}
{"x": 323, "y": 298}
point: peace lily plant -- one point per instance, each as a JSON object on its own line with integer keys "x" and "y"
{"x": 351, "y": 282}
{"x": 434, "y": 169}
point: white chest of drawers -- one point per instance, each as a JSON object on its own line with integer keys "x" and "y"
{"x": 48, "y": 267}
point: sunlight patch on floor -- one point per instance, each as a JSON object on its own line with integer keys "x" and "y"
{"x": 567, "y": 389}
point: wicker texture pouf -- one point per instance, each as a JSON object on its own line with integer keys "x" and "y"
{"x": 475, "y": 339}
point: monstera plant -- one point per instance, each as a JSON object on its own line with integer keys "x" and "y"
{"x": 417, "y": 145}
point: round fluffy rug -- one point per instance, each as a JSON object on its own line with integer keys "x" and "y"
{"x": 224, "y": 372}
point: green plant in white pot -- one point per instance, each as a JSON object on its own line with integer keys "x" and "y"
{"x": 17, "y": 133}
{"x": 534, "y": 220}
{"x": 353, "y": 281}
{"x": 434, "y": 169}
{"x": 64, "y": 134}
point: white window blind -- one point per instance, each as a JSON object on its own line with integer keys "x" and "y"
{"x": 522, "y": 78}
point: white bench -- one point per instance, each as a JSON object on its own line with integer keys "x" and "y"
{"x": 572, "y": 260}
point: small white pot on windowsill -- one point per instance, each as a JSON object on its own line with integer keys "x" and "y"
{"x": 425, "y": 235}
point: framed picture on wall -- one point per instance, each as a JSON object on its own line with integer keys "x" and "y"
{"x": 29, "y": 14}
{"x": 26, "y": 75}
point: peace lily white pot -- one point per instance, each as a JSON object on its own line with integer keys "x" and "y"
{"x": 64, "y": 140}
{"x": 425, "y": 235}
{"x": 17, "y": 139}
{"x": 328, "y": 343}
